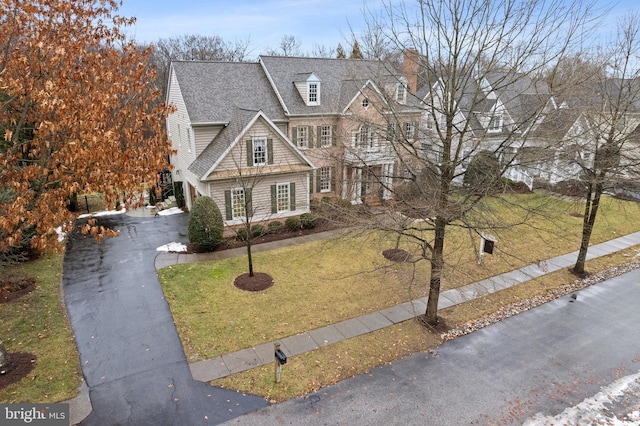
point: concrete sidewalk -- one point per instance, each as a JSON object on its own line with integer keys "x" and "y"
{"x": 246, "y": 359}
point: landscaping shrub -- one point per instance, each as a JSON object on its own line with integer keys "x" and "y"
{"x": 257, "y": 231}
{"x": 205, "y": 225}
{"x": 483, "y": 173}
{"x": 292, "y": 224}
{"x": 275, "y": 227}
{"x": 308, "y": 220}
{"x": 242, "y": 234}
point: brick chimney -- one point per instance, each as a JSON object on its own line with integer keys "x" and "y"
{"x": 410, "y": 69}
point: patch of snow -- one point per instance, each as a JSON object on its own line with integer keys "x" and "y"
{"x": 173, "y": 248}
{"x": 103, "y": 213}
{"x": 61, "y": 235}
{"x": 168, "y": 212}
{"x": 149, "y": 206}
{"x": 592, "y": 410}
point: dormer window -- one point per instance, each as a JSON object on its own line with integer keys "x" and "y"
{"x": 495, "y": 124}
{"x": 401, "y": 92}
{"x": 313, "y": 93}
{"x": 309, "y": 87}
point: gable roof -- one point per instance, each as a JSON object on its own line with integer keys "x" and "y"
{"x": 213, "y": 90}
{"x": 230, "y": 136}
{"x": 340, "y": 80}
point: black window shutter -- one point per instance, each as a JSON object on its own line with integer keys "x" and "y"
{"x": 249, "y": 153}
{"x": 227, "y": 205}
{"x": 333, "y": 179}
{"x": 248, "y": 203}
{"x": 318, "y": 179}
{"x": 274, "y": 200}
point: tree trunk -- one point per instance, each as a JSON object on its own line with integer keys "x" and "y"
{"x": 5, "y": 361}
{"x": 249, "y": 257}
{"x": 589, "y": 219}
{"x": 437, "y": 264}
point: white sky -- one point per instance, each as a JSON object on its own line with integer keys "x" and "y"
{"x": 265, "y": 22}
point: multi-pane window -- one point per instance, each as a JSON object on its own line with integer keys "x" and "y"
{"x": 410, "y": 130}
{"x": 302, "y": 138}
{"x": 237, "y": 203}
{"x": 326, "y": 136}
{"x": 366, "y": 138}
{"x": 325, "y": 179}
{"x": 282, "y": 197}
{"x": 313, "y": 92}
{"x": 259, "y": 151}
{"x": 495, "y": 124}
{"x": 401, "y": 93}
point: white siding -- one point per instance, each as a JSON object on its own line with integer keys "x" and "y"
{"x": 282, "y": 152}
{"x": 261, "y": 196}
{"x": 177, "y": 127}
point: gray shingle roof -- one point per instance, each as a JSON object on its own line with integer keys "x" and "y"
{"x": 338, "y": 78}
{"x": 224, "y": 139}
{"x": 213, "y": 90}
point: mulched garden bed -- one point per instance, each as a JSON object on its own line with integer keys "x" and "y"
{"x": 397, "y": 255}
{"x": 14, "y": 285}
{"x": 21, "y": 364}
{"x": 258, "y": 282}
{"x": 232, "y": 242}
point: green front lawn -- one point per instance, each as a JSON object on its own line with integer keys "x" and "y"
{"x": 36, "y": 323}
{"x": 326, "y": 282}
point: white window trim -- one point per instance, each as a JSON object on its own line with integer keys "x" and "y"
{"x": 255, "y": 141}
{"x": 401, "y": 93}
{"x": 325, "y": 179}
{"x": 234, "y": 208}
{"x": 311, "y": 85}
{"x": 286, "y": 185}
{"x": 302, "y": 137}
{"x": 497, "y": 129}
{"x": 410, "y": 130}
{"x": 326, "y": 140}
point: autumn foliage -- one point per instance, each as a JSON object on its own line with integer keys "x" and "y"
{"x": 77, "y": 115}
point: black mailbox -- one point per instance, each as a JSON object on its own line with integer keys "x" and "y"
{"x": 488, "y": 246}
{"x": 281, "y": 357}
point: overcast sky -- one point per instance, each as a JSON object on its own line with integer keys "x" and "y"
{"x": 265, "y": 22}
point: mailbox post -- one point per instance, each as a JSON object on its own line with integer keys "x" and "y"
{"x": 279, "y": 360}
{"x": 486, "y": 246}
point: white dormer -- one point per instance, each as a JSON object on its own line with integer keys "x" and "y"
{"x": 308, "y": 86}
{"x": 401, "y": 91}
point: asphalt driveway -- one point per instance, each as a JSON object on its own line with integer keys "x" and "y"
{"x": 130, "y": 353}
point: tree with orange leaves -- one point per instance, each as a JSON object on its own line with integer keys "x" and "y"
{"x": 77, "y": 114}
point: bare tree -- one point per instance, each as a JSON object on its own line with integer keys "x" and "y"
{"x": 193, "y": 47}
{"x": 289, "y": 46}
{"x": 477, "y": 64}
{"x": 611, "y": 105}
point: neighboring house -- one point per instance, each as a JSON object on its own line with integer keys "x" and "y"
{"x": 289, "y": 129}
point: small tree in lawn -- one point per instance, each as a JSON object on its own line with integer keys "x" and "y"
{"x": 609, "y": 100}
{"x": 462, "y": 54}
{"x": 205, "y": 225}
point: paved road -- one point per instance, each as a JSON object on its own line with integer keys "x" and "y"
{"x": 130, "y": 352}
{"x": 542, "y": 361}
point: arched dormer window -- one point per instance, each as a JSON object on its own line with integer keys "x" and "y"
{"x": 401, "y": 91}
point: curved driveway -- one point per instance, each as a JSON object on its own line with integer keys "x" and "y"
{"x": 130, "y": 353}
